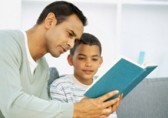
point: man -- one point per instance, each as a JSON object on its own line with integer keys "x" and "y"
{"x": 24, "y": 70}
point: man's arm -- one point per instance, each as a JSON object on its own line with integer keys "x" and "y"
{"x": 15, "y": 102}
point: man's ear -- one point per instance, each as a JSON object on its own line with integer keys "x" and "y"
{"x": 70, "y": 59}
{"x": 50, "y": 20}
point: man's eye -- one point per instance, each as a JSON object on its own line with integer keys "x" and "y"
{"x": 70, "y": 35}
{"x": 76, "y": 40}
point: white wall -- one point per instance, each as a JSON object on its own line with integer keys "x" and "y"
{"x": 123, "y": 29}
{"x": 10, "y": 12}
{"x": 145, "y": 28}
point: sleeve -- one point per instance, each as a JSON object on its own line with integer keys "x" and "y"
{"x": 14, "y": 102}
{"x": 57, "y": 91}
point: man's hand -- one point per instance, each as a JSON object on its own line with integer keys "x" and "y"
{"x": 98, "y": 107}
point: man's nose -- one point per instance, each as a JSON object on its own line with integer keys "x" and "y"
{"x": 71, "y": 43}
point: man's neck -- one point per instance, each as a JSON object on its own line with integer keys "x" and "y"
{"x": 36, "y": 42}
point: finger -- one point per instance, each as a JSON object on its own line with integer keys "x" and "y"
{"x": 111, "y": 102}
{"x": 107, "y": 111}
{"x": 103, "y": 116}
{"x": 108, "y": 95}
{"x": 115, "y": 106}
{"x": 118, "y": 102}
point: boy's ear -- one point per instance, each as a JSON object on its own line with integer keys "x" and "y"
{"x": 69, "y": 58}
{"x": 101, "y": 61}
{"x": 50, "y": 20}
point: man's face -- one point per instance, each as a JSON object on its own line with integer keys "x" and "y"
{"x": 61, "y": 37}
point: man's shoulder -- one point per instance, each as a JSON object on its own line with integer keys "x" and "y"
{"x": 11, "y": 36}
{"x": 10, "y": 32}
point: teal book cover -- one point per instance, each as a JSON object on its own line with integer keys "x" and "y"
{"x": 124, "y": 75}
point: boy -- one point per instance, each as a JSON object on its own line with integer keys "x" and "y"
{"x": 86, "y": 59}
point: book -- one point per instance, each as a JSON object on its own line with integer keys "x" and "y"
{"x": 124, "y": 75}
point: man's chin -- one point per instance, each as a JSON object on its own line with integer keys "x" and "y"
{"x": 56, "y": 55}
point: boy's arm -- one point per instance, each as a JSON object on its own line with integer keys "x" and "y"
{"x": 57, "y": 92}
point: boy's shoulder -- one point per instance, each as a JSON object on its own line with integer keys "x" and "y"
{"x": 63, "y": 79}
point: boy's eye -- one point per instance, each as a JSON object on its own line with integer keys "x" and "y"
{"x": 81, "y": 58}
{"x": 94, "y": 59}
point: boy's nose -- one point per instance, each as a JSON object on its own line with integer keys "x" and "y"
{"x": 88, "y": 63}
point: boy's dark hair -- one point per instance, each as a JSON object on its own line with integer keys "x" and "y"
{"x": 87, "y": 39}
{"x": 62, "y": 10}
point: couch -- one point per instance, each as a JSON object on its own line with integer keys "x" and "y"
{"x": 147, "y": 100}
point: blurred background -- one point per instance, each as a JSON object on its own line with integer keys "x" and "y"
{"x": 124, "y": 27}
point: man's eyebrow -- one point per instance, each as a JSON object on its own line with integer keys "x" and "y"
{"x": 73, "y": 33}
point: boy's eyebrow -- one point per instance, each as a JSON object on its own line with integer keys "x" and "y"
{"x": 95, "y": 56}
{"x": 80, "y": 54}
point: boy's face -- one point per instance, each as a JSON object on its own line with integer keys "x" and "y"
{"x": 86, "y": 61}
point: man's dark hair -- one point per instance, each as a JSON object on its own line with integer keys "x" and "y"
{"x": 86, "y": 39}
{"x": 62, "y": 10}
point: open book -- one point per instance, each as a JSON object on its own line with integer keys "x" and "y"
{"x": 124, "y": 75}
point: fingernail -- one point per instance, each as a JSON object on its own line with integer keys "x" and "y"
{"x": 116, "y": 91}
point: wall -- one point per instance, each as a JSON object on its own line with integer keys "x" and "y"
{"x": 145, "y": 28}
{"x": 123, "y": 28}
{"x": 10, "y": 11}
